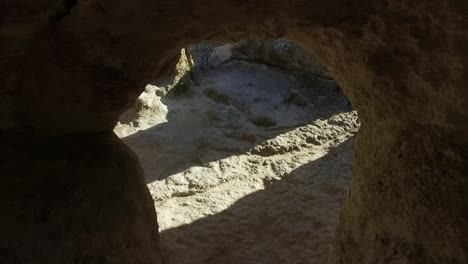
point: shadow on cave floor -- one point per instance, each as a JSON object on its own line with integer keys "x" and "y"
{"x": 215, "y": 118}
{"x": 291, "y": 221}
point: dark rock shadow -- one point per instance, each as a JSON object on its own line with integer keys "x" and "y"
{"x": 291, "y": 221}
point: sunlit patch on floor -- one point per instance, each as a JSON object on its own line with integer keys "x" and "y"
{"x": 242, "y": 158}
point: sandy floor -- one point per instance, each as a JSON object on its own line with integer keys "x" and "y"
{"x": 248, "y": 166}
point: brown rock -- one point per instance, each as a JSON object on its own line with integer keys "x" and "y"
{"x": 75, "y": 199}
{"x": 73, "y": 67}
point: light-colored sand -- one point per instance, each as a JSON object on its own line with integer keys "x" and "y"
{"x": 229, "y": 191}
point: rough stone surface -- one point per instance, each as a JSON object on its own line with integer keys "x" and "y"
{"x": 77, "y": 199}
{"x": 73, "y": 67}
{"x": 235, "y": 189}
{"x": 279, "y": 53}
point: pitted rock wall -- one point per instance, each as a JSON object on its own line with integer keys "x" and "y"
{"x": 73, "y": 67}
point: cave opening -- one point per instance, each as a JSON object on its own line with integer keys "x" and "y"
{"x": 247, "y": 153}
{"x": 73, "y": 192}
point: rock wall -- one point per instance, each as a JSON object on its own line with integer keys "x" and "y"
{"x": 73, "y": 67}
{"x": 75, "y": 199}
{"x": 279, "y": 53}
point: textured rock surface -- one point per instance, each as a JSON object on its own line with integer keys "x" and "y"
{"x": 279, "y": 53}
{"x": 72, "y": 67}
{"x": 77, "y": 199}
{"x": 237, "y": 191}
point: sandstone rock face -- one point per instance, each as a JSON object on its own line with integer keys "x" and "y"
{"x": 73, "y": 67}
{"x": 279, "y": 53}
{"x": 206, "y": 55}
{"x": 248, "y": 166}
{"x": 77, "y": 199}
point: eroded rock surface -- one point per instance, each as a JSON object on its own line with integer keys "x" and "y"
{"x": 73, "y": 67}
{"x": 278, "y": 53}
{"x": 68, "y": 193}
{"x": 248, "y": 164}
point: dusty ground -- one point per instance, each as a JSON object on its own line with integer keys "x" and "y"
{"x": 246, "y": 166}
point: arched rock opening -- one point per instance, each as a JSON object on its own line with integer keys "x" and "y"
{"x": 70, "y": 68}
{"x": 247, "y": 154}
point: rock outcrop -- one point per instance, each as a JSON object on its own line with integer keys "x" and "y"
{"x": 278, "y": 53}
{"x": 75, "y": 199}
{"x": 69, "y": 69}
